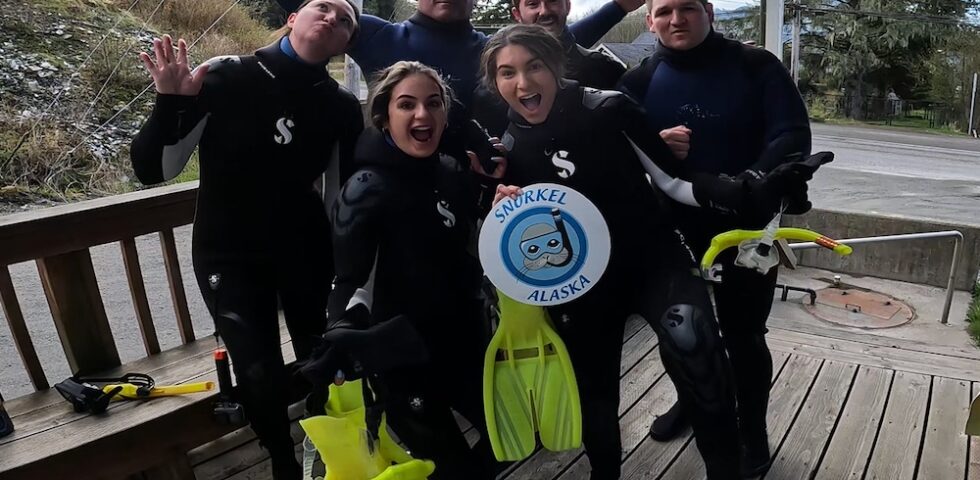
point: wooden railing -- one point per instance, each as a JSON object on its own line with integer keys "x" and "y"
{"x": 58, "y": 240}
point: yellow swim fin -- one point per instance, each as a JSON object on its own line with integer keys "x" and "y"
{"x": 529, "y": 385}
{"x": 347, "y": 449}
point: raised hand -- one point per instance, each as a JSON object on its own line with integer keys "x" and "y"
{"x": 172, "y": 74}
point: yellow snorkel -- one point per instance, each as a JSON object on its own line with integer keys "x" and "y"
{"x": 732, "y": 238}
{"x": 129, "y": 391}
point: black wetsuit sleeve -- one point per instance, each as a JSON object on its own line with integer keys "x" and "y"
{"x": 672, "y": 176}
{"x": 786, "y": 125}
{"x": 348, "y": 141}
{"x": 357, "y": 220}
{"x": 166, "y": 141}
{"x": 590, "y": 29}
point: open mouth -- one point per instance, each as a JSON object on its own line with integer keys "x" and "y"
{"x": 531, "y": 102}
{"x": 421, "y": 134}
{"x": 546, "y": 21}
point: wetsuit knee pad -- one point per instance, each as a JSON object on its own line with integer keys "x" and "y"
{"x": 689, "y": 330}
{"x": 692, "y": 350}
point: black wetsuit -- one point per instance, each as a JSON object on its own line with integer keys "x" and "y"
{"x": 266, "y": 126}
{"x": 411, "y": 221}
{"x": 650, "y": 271}
{"x": 746, "y": 117}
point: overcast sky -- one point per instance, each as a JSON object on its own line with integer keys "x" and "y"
{"x": 580, "y": 7}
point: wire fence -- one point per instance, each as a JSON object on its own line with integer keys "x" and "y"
{"x": 888, "y": 111}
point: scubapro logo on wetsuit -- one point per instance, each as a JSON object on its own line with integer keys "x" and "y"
{"x": 285, "y": 136}
{"x": 548, "y": 246}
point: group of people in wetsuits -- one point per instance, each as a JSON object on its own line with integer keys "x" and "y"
{"x": 704, "y": 136}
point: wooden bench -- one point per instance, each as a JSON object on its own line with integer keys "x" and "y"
{"x": 132, "y": 439}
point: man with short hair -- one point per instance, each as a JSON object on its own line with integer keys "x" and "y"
{"x": 733, "y": 109}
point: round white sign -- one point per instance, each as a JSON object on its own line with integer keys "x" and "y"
{"x": 548, "y": 246}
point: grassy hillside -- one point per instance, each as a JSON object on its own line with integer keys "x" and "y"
{"x": 71, "y": 82}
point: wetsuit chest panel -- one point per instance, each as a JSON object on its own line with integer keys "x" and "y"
{"x": 718, "y": 103}
{"x": 422, "y": 248}
{"x": 455, "y": 54}
{"x": 274, "y": 139}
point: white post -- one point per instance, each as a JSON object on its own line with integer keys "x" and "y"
{"x": 774, "y": 27}
{"x": 352, "y": 73}
{"x": 973, "y": 103}
{"x": 795, "y": 55}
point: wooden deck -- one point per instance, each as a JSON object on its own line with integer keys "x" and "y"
{"x": 841, "y": 408}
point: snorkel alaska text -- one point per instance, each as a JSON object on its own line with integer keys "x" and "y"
{"x": 510, "y": 205}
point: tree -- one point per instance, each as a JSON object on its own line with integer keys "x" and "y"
{"x": 380, "y": 8}
{"x": 492, "y": 12}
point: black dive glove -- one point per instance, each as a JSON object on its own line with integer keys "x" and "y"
{"x": 355, "y": 350}
{"x": 753, "y": 194}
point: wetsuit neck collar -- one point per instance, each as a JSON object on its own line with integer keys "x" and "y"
{"x": 705, "y": 52}
{"x": 422, "y": 20}
{"x": 567, "y": 39}
{"x": 287, "y": 48}
{"x": 377, "y": 148}
{"x": 278, "y": 64}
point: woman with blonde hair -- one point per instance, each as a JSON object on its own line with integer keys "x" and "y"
{"x": 402, "y": 224}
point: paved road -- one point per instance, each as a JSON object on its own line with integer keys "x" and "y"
{"x": 899, "y": 172}
{"x": 876, "y": 170}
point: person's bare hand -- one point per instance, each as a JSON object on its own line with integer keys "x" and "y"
{"x": 504, "y": 191}
{"x": 171, "y": 73}
{"x": 678, "y": 139}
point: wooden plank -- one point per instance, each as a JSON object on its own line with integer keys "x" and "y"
{"x": 172, "y": 264}
{"x": 178, "y": 467}
{"x": 973, "y": 461}
{"x": 874, "y": 355}
{"x": 239, "y": 438}
{"x": 134, "y": 274}
{"x": 635, "y": 422}
{"x": 78, "y": 226}
{"x": 869, "y": 337}
{"x": 76, "y": 306}
{"x": 91, "y": 448}
{"x": 785, "y": 399}
{"x": 19, "y": 332}
{"x": 637, "y": 347}
{"x": 854, "y": 437}
{"x": 257, "y": 465}
{"x": 895, "y": 452}
{"x": 246, "y": 455}
{"x": 944, "y": 450}
{"x": 799, "y": 454}
{"x": 633, "y": 324}
{"x": 650, "y": 459}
